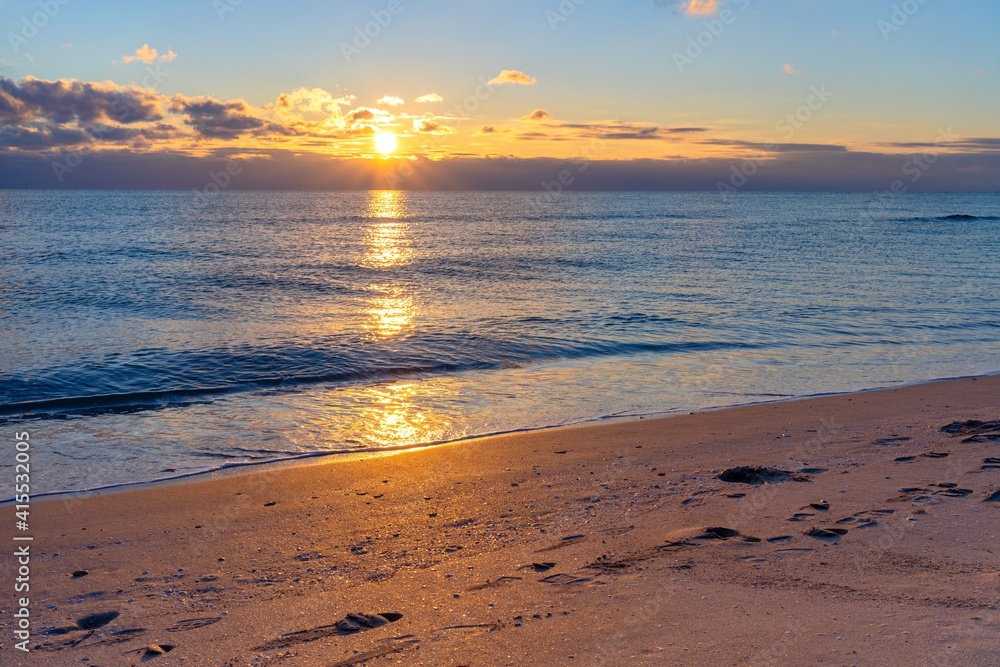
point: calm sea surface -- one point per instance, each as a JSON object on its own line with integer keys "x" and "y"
{"x": 146, "y": 335}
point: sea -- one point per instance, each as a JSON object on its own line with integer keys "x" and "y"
{"x": 156, "y": 335}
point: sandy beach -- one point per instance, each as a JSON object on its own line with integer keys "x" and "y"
{"x": 861, "y": 534}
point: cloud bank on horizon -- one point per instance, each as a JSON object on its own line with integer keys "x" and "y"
{"x": 712, "y": 89}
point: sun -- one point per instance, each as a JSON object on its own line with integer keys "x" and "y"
{"x": 386, "y": 143}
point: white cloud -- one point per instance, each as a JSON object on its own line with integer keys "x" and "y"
{"x": 429, "y": 98}
{"x": 391, "y": 101}
{"x": 513, "y": 76}
{"x": 144, "y": 54}
{"x": 701, "y": 7}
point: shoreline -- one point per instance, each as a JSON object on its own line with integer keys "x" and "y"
{"x": 321, "y": 458}
{"x": 872, "y": 542}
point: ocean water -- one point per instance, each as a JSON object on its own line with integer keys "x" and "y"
{"x": 149, "y": 335}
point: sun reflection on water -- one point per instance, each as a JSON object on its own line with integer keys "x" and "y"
{"x": 391, "y": 312}
{"x": 388, "y": 245}
{"x": 392, "y": 418}
{"x": 387, "y": 239}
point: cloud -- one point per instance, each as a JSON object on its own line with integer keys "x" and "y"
{"x": 391, "y": 101}
{"x": 537, "y": 114}
{"x": 144, "y": 54}
{"x": 314, "y": 112}
{"x": 211, "y": 118}
{"x": 513, "y": 76}
{"x": 361, "y": 114}
{"x": 790, "y": 70}
{"x": 33, "y": 138}
{"x": 41, "y": 138}
{"x": 972, "y": 144}
{"x": 68, "y": 100}
{"x": 776, "y": 148}
{"x": 67, "y": 45}
{"x": 490, "y": 129}
{"x": 313, "y": 104}
{"x": 430, "y": 126}
{"x": 369, "y": 115}
{"x": 692, "y": 7}
{"x": 429, "y": 98}
{"x": 609, "y": 130}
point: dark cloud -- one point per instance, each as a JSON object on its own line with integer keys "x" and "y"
{"x": 360, "y": 115}
{"x": 537, "y": 114}
{"x": 217, "y": 120}
{"x": 610, "y": 130}
{"x": 429, "y": 126}
{"x": 490, "y": 129}
{"x": 974, "y": 144}
{"x": 32, "y": 138}
{"x": 66, "y": 101}
{"x": 42, "y": 137}
{"x": 776, "y": 148}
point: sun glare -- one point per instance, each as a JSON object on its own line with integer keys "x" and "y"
{"x": 385, "y": 143}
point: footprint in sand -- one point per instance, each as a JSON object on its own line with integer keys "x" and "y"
{"x": 753, "y": 560}
{"x": 349, "y": 625}
{"x": 993, "y": 497}
{"x": 565, "y": 542}
{"x": 974, "y": 430}
{"x": 691, "y": 537}
{"x": 891, "y": 441}
{"x": 674, "y": 542}
{"x": 87, "y": 625}
{"x": 951, "y": 490}
{"x": 396, "y": 645}
{"x": 827, "y": 534}
{"x": 866, "y": 519}
{"x": 95, "y": 621}
{"x": 495, "y": 583}
{"x": 916, "y": 494}
{"x": 564, "y": 580}
{"x": 759, "y": 475}
{"x": 193, "y": 623}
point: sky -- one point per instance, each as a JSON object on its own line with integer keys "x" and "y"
{"x": 654, "y": 94}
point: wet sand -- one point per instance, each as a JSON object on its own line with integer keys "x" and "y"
{"x": 866, "y": 535}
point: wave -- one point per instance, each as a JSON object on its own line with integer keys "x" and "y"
{"x": 963, "y": 216}
{"x": 159, "y": 379}
{"x": 955, "y": 217}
